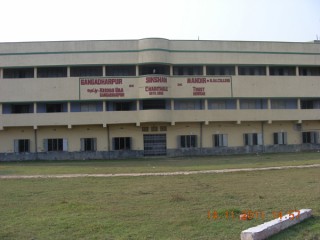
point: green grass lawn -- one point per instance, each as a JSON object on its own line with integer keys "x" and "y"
{"x": 158, "y": 164}
{"x": 157, "y": 207}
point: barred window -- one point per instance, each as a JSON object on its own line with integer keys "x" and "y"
{"x": 122, "y": 143}
{"x": 188, "y": 141}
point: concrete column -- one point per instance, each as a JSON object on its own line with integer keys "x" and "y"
{"x": 104, "y": 71}
{"x": 68, "y": 71}
{"x": 0, "y": 108}
{"x": 269, "y": 103}
{"x": 138, "y": 105}
{"x": 268, "y": 71}
{"x": 172, "y": 104}
{"x": 205, "y": 70}
{"x": 34, "y": 108}
{"x": 104, "y": 106}
{"x": 1, "y": 73}
{"x": 35, "y": 72}
{"x": 236, "y": 71}
{"x": 297, "y": 71}
{"x": 69, "y": 107}
{"x": 238, "y": 103}
{"x": 137, "y": 70}
{"x": 171, "y": 70}
{"x": 206, "y": 104}
{"x": 299, "y": 103}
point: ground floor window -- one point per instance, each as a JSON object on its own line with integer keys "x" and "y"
{"x": 121, "y": 143}
{"x": 188, "y": 141}
{"x": 220, "y": 140}
{"x": 280, "y": 138}
{"x": 251, "y": 139}
{"x": 88, "y": 144}
{"x": 21, "y": 145}
{"x": 310, "y": 137}
{"x": 56, "y": 144}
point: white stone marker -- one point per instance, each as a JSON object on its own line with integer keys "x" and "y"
{"x": 270, "y": 228}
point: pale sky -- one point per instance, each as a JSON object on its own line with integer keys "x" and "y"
{"x": 254, "y": 20}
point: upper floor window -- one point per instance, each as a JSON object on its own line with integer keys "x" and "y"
{"x": 252, "y": 70}
{"x": 85, "y": 71}
{"x": 309, "y": 71}
{"x": 188, "y": 104}
{"x": 187, "y": 70}
{"x": 126, "y": 70}
{"x": 18, "y": 73}
{"x": 122, "y": 106}
{"x": 154, "y": 104}
{"x": 310, "y": 104}
{"x": 54, "y": 107}
{"x": 253, "y": 104}
{"x": 51, "y": 72}
{"x": 282, "y": 71}
{"x": 222, "y": 104}
{"x": 221, "y": 70}
{"x": 154, "y": 69}
{"x": 283, "y": 104}
{"x": 21, "y": 108}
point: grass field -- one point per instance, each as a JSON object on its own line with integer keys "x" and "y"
{"x": 157, "y": 207}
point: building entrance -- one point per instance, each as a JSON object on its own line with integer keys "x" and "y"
{"x": 155, "y": 144}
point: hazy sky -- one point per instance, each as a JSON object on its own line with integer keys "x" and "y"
{"x": 261, "y": 20}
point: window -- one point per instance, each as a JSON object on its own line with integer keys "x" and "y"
{"x": 86, "y": 71}
{"x": 129, "y": 70}
{"x": 218, "y": 104}
{"x": 283, "y": 104}
{"x": 309, "y": 71}
{"x": 51, "y": 72}
{"x": 310, "y": 104}
{"x": 22, "y": 145}
{"x": 221, "y": 70}
{"x": 59, "y": 144}
{"x": 153, "y": 104}
{"x": 88, "y": 144}
{"x": 88, "y": 107}
{"x": 18, "y": 73}
{"x": 222, "y": 104}
{"x": 282, "y": 71}
{"x": 163, "y": 128}
{"x": 154, "y": 129}
{"x": 122, "y": 143}
{"x": 310, "y": 137}
{"x": 280, "y": 138}
{"x": 54, "y": 107}
{"x": 252, "y": 70}
{"x": 145, "y": 129}
{"x": 187, "y": 70}
{"x": 21, "y": 108}
{"x": 253, "y": 104}
{"x": 124, "y": 106}
{"x": 220, "y": 140}
{"x": 251, "y": 139}
{"x": 154, "y": 69}
{"x": 188, "y": 104}
{"x": 188, "y": 141}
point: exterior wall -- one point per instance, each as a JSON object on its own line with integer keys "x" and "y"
{"x": 176, "y": 90}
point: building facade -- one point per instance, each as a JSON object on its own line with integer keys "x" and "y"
{"x": 151, "y": 97}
